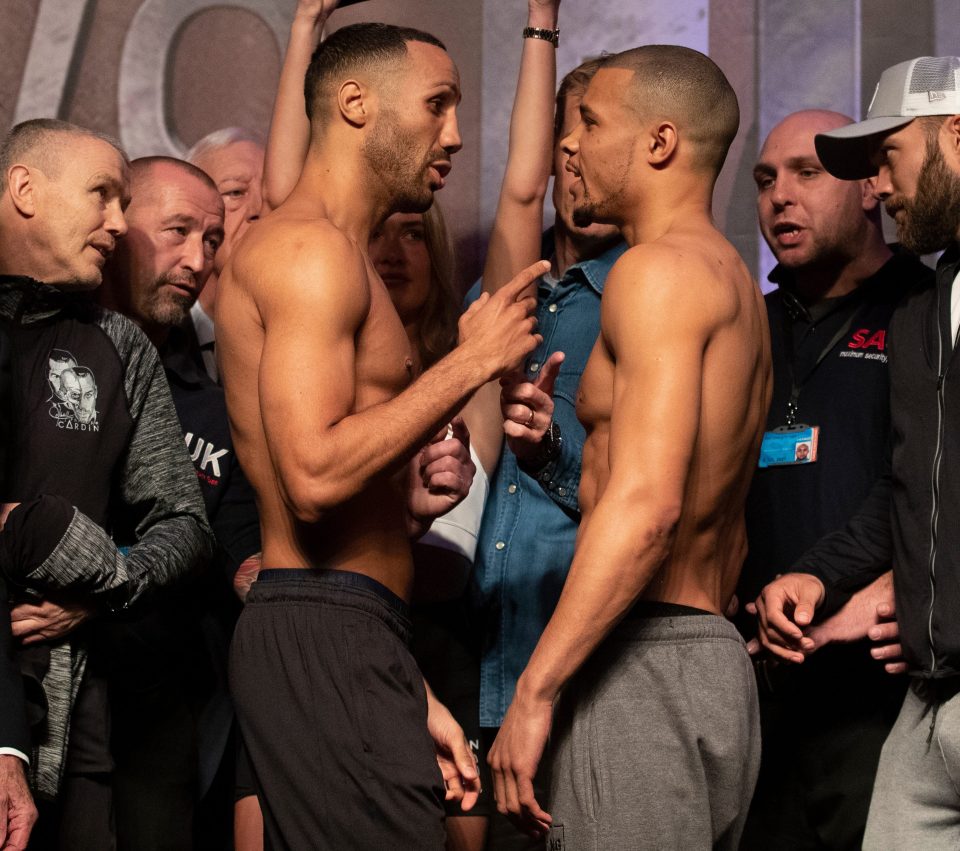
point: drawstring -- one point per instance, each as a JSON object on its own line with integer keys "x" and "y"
{"x": 933, "y": 722}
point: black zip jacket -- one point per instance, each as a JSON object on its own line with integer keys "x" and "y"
{"x": 93, "y": 453}
{"x": 911, "y": 513}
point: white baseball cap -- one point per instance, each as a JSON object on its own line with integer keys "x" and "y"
{"x": 929, "y": 85}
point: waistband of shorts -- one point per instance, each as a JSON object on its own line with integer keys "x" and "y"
{"x": 337, "y": 587}
{"x": 658, "y": 609}
{"x": 662, "y": 622}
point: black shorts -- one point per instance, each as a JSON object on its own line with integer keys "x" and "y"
{"x": 333, "y": 714}
{"x": 443, "y": 646}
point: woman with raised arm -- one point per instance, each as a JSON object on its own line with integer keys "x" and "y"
{"x": 517, "y": 233}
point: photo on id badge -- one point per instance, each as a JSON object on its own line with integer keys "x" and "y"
{"x": 789, "y": 445}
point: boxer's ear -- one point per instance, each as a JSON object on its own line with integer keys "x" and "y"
{"x": 662, "y": 143}
{"x": 355, "y": 102}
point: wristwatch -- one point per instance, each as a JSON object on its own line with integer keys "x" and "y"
{"x": 547, "y": 451}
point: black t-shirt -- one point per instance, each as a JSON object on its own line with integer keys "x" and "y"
{"x": 790, "y": 508}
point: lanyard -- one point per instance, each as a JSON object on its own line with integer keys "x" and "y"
{"x": 796, "y": 385}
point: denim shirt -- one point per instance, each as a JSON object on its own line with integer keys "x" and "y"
{"x": 530, "y": 524}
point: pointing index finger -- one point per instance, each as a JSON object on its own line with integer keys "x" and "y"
{"x": 516, "y": 287}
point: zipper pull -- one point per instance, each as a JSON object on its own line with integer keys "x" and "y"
{"x": 939, "y": 383}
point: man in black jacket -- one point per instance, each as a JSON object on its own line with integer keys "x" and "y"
{"x": 822, "y": 723}
{"x": 911, "y": 140}
{"x": 172, "y": 714}
{"x": 102, "y": 462}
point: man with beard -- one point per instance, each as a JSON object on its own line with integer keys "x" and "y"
{"x": 911, "y": 141}
{"x": 334, "y": 714}
{"x": 171, "y": 711}
{"x": 658, "y": 697}
{"x": 233, "y": 157}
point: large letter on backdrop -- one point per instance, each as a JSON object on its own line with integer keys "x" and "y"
{"x": 50, "y": 59}
{"x": 144, "y": 127}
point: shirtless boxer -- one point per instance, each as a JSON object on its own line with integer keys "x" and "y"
{"x": 331, "y": 706}
{"x": 656, "y": 740}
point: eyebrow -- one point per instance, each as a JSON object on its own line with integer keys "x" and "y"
{"x": 179, "y": 219}
{"x": 791, "y": 163}
{"x": 242, "y": 176}
{"x": 452, "y": 88}
{"x": 110, "y": 180}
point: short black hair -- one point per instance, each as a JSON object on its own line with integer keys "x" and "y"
{"x": 687, "y": 87}
{"x": 367, "y": 46}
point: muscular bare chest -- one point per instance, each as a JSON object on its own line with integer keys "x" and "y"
{"x": 595, "y": 394}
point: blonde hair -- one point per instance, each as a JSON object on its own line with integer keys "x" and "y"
{"x": 438, "y": 317}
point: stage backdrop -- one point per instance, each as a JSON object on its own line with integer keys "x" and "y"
{"x": 159, "y": 74}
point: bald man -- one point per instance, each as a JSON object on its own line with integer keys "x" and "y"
{"x": 658, "y": 705}
{"x": 823, "y": 724}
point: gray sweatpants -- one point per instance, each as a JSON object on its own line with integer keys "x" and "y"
{"x": 657, "y": 740}
{"x": 916, "y": 802}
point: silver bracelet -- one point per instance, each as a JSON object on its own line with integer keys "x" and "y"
{"x": 553, "y": 36}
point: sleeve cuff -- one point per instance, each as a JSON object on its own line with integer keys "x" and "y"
{"x": 15, "y": 752}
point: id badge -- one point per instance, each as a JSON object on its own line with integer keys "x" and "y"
{"x": 787, "y": 445}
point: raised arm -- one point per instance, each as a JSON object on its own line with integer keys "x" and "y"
{"x": 289, "y": 127}
{"x": 314, "y": 301}
{"x": 515, "y": 238}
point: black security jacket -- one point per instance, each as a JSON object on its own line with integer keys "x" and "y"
{"x": 911, "y": 513}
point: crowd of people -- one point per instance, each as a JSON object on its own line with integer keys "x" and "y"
{"x": 301, "y": 549}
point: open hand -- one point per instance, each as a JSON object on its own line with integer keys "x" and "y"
{"x": 456, "y": 760}
{"x": 514, "y": 759}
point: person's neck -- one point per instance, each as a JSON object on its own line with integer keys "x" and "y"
{"x": 572, "y": 248}
{"x": 341, "y": 190}
{"x": 667, "y": 207}
{"x": 813, "y": 284}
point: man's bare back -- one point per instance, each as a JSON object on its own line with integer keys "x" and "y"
{"x": 729, "y": 406}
